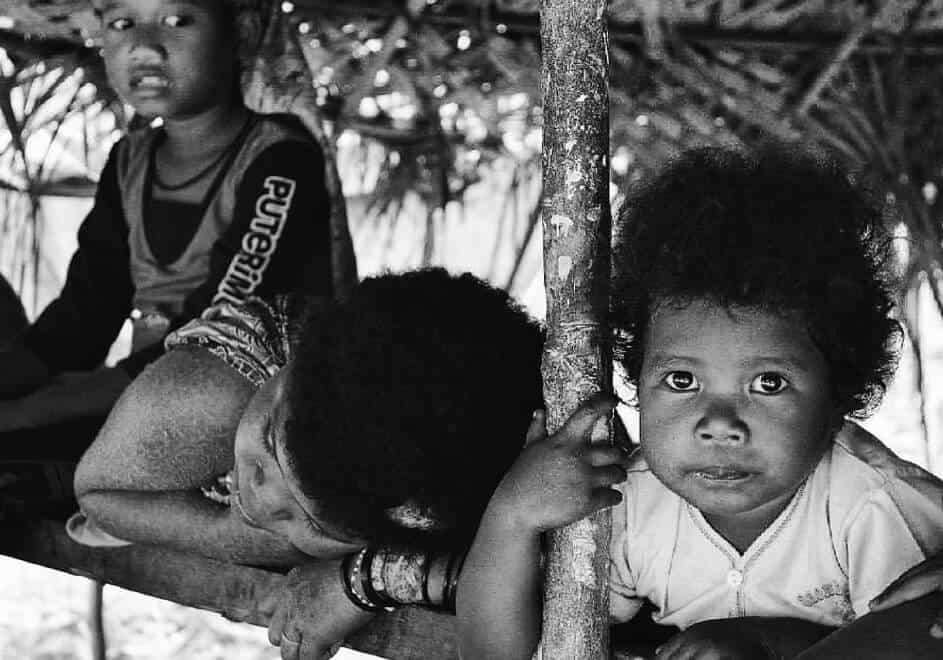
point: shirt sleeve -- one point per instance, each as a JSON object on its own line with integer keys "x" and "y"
{"x": 279, "y": 240}
{"x": 76, "y": 329}
{"x": 894, "y": 529}
{"x": 248, "y": 337}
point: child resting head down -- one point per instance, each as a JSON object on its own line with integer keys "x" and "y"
{"x": 751, "y": 305}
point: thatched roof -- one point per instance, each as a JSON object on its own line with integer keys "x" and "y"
{"x": 447, "y": 87}
{"x": 691, "y": 66}
{"x": 754, "y": 19}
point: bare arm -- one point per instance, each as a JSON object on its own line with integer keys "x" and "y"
{"x": 499, "y": 603}
{"x": 170, "y": 433}
{"x": 187, "y": 521}
{"x": 68, "y": 396}
{"x": 554, "y": 481}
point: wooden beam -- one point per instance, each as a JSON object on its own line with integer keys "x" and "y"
{"x": 229, "y": 589}
{"x": 577, "y": 363}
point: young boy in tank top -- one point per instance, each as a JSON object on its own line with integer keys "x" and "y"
{"x": 212, "y": 203}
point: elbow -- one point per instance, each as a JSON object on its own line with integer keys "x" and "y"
{"x": 90, "y": 477}
{"x": 91, "y": 503}
{"x": 104, "y": 461}
{"x": 84, "y": 480}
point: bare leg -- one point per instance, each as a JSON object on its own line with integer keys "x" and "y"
{"x": 901, "y": 632}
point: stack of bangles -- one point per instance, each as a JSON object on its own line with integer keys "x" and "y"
{"x": 381, "y": 580}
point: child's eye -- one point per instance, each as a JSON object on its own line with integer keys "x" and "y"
{"x": 120, "y": 24}
{"x": 175, "y": 20}
{"x": 769, "y": 383}
{"x": 681, "y": 381}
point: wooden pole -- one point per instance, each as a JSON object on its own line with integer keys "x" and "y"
{"x": 576, "y": 364}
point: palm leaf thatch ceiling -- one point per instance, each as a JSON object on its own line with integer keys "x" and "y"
{"x": 447, "y": 87}
{"x": 682, "y": 70}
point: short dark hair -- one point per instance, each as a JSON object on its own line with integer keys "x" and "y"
{"x": 419, "y": 387}
{"x": 775, "y": 228}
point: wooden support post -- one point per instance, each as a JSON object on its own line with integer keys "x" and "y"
{"x": 577, "y": 363}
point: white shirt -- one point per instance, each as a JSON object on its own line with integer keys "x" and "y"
{"x": 863, "y": 517}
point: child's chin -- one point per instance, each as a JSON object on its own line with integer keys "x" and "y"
{"x": 720, "y": 501}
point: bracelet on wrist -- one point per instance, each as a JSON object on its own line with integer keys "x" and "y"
{"x": 372, "y": 583}
{"x": 424, "y": 588}
{"x": 398, "y": 575}
{"x": 389, "y": 577}
{"x": 450, "y": 584}
{"x": 352, "y": 570}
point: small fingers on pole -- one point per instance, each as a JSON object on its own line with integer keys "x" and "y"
{"x": 579, "y": 425}
{"x": 600, "y": 455}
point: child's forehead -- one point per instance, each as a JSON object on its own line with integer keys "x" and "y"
{"x": 714, "y": 330}
{"x": 103, "y": 5}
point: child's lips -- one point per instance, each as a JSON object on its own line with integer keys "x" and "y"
{"x": 149, "y": 80}
{"x": 722, "y": 473}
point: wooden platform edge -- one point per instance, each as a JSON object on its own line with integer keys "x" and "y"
{"x": 228, "y": 589}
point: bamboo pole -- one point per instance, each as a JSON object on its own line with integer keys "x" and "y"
{"x": 576, "y": 363}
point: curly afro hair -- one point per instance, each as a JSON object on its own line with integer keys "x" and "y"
{"x": 774, "y": 229}
{"x": 418, "y": 387}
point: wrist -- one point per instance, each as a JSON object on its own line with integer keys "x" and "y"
{"x": 358, "y": 585}
{"x": 412, "y": 578}
{"x": 505, "y": 518}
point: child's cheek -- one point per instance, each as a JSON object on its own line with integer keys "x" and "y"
{"x": 664, "y": 418}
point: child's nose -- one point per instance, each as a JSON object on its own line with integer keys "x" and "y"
{"x": 722, "y": 423}
{"x": 147, "y": 41}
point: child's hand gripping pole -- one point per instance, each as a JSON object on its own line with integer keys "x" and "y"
{"x": 559, "y": 479}
{"x": 556, "y": 480}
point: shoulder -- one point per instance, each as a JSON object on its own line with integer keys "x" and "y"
{"x": 278, "y": 159}
{"x": 188, "y": 377}
{"x": 861, "y": 461}
{"x": 282, "y": 132}
{"x": 173, "y": 424}
{"x": 867, "y": 481}
{"x": 186, "y": 388}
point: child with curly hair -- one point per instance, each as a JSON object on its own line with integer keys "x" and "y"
{"x": 297, "y": 431}
{"x": 751, "y": 301}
